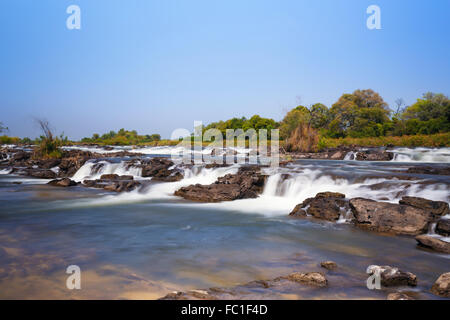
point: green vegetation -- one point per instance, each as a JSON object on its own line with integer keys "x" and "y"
{"x": 255, "y": 122}
{"x": 48, "y": 144}
{"x": 121, "y": 138}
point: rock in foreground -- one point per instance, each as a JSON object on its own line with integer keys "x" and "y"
{"x": 65, "y": 182}
{"x": 389, "y": 217}
{"x": 391, "y": 276}
{"x": 433, "y": 243}
{"x": 442, "y": 286}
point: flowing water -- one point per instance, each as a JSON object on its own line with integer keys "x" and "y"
{"x": 147, "y": 243}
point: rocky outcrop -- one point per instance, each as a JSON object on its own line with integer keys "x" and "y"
{"x": 159, "y": 169}
{"x": 389, "y": 217}
{"x": 442, "y": 286}
{"x": 41, "y": 174}
{"x": 247, "y": 183}
{"x": 65, "y": 182}
{"x": 433, "y": 243}
{"x": 443, "y": 227}
{"x": 113, "y": 182}
{"x": 436, "y": 208}
{"x": 445, "y": 171}
{"x": 374, "y": 155}
{"x": 329, "y": 265}
{"x": 391, "y": 276}
{"x": 325, "y": 205}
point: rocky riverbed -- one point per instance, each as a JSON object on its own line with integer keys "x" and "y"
{"x": 367, "y": 193}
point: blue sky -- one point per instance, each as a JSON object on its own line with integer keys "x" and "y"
{"x": 158, "y": 65}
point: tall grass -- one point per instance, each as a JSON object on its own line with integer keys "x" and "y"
{"x": 49, "y": 145}
{"x": 303, "y": 139}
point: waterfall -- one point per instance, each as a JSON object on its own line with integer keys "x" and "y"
{"x": 93, "y": 170}
{"x": 351, "y": 156}
{"x": 441, "y": 155}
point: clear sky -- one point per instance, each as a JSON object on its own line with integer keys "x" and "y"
{"x": 158, "y": 65}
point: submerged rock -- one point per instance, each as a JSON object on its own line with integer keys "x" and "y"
{"x": 443, "y": 227}
{"x": 295, "y": 282}
{"x": 42, "y": 174}
{"x": 247, "y": 183}
{"x": 315, "y": 279}
{"x": 399, "y": 296}
{"x": 433, "y": 243}
{"x": 325, "y": 205}
{"x": 389, "y": 217}
{"x": 391, "y": 276}
{"x": 329, "y": 265}
{"x": 65, "y": 182}
{"x": 430, "y": 170}
{"x": 442, "y": 286}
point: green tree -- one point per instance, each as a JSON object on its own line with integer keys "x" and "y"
{"x": 320, "y": 116}
{"x": 293, "y": 119}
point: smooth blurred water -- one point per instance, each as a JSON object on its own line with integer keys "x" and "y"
{"x": 147, "y": 243}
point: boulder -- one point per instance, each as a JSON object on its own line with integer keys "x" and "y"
{"x": 325, "y": 205}
{"x": 433, "y": 243}
{"x": 329, "y": 265}
{"x": 122, "y": 186}
{"x": 443, "y": 227}
{"x": 247, "y": 183}
{"x": 391, "y": 276}
{"x": 41, "y": 174}
{"x": 374, "y": 155}
{"x": 160, "y": 169}
{"x": 436, "y": 208}
{"x": 65, "y": 182}
{"x": 389, "y": 217}
{"x": 442, "y": 286}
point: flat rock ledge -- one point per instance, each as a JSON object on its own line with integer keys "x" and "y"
{"x": 434, "y": 243}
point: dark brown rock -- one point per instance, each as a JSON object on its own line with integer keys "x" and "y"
{"x": 442, "y": 286}
{"x": 391, "y": 276}
{"x": 315, "y": 279}
{"x": 399, "y": 296}
{"x": 21, "y": 155}
{"x": 325, "y": 205}
{"x": 65, "y": 182}
{"x": 433, "y": 243}
{"x": 388, "y": 217}
{"x": 41, "y": 174}
{"x": 115, "y": 177}
{"x": 437, "y": 208}
{"x": 247, "y": 183}
{"x": 443, "y": 227}
{"x": 374, "y": 156}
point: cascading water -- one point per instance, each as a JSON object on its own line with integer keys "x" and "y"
{"x": 441, "y": 155}
{"x": 92, "y": 170}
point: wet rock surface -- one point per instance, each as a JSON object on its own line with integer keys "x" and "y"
{"x": 399, "y": 296}
{"x": 443, "y": 227}
{"x": 434, "y": 243}
{"x": 391, "y": 276}
{"x": 293, "y": 282}
{"x": 329, "y": 265}
{"x": 325, "y": 205}
{"x": 442, "y": 286}
{"x": 159, "y": 169}
{"x": 389, "y": 217}
{"x": 436, "y": 208}
{"x": 247, "y": 183}
{"x": 65, "y": 182}
{"x": 113, "y": 182}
